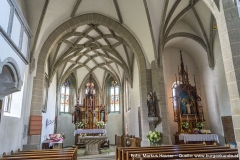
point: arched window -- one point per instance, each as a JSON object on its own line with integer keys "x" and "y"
{"x": 114, "y": 97}
{"x": 7, "y": 103}
{"x": 65, "y": 90}
{"x": 127, "y": 96}
{"x": 174, "y": 93}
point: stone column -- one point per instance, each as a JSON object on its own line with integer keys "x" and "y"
{"x": 36, "y": 104}
{"x": 228, "y": 22}
{"x": 158, "y": 85}
{"x": 145, "y": 78}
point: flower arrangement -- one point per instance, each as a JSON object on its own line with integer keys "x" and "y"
{"x": 196, "y": 130}
{"x": 154, "y": 136}
{"x": 100, "y": 124}
{"x": 185, "y": 124}
{"x": 79, "y": 124}
{"x": 200, "y": 125}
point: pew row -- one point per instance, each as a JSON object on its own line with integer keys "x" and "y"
{"x": 120, "y": 151}
{"x": 124, "y": 153}
{"x": 58, "y": 154}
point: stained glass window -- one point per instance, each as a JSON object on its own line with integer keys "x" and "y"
{"x": 114, "y": 97}
{"x": 65, "y": 91}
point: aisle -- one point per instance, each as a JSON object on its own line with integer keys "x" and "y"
{"x": 109, "y": 155}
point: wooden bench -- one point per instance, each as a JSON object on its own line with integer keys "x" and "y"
{"x": 53, "y": 154}
{"x": 120, "y": 154}
{"x": 178, "y": 154}
{"x": 124, "y": 152}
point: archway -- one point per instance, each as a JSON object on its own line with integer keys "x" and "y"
{"x": 93, "y": 18}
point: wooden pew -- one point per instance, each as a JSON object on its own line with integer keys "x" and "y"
{"x": 120, "y": 154}
{"x": 53, "y": 154}
{"x": 178, "y": 154}
{"x": 123, "y": 152}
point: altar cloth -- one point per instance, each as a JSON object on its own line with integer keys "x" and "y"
{"x": 198, "y": 137}
{"x": 87, "y": 131}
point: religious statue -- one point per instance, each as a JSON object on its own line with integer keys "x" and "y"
{"x": 102, "y": 116}
{"x": 193, "y": 105}
{"x": 187, "y": 106}
{"x": 151, "y": 104}
{"x": 183, "y": 107}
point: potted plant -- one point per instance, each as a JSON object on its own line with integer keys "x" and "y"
{"x": 79, "y": 125}
{"x": 154, "y": 137}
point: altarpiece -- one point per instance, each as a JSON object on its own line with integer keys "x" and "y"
{"x": 187, "y": 104}
{"x": 90, "y": 112}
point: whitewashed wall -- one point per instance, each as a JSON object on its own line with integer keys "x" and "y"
{"x": 131, "y": 117}
{"x": 50, "y": 114}
{"x": 12, "y": 133}
{"x": 12, "y": 128}
{"x": 171, "y": 60}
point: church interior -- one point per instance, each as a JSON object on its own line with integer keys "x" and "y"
{"x": 107, "y": 73}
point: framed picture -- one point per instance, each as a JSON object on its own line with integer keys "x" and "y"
{"x": 45, "y": 93}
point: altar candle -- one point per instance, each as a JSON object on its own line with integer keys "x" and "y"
{"x": 187, "y": 117}
{"x": 126, "y": 129}
{"x": 196, "y": 119}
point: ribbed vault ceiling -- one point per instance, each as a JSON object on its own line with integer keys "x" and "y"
{"x": 91, "y": 47}
{"x": 156, "y": 24}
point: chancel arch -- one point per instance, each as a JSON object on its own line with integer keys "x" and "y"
{"x": 70, "y": 25}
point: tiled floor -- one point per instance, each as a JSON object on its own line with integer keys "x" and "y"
{"x": 103, "y": 156}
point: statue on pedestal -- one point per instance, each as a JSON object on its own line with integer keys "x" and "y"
{"x": 151, "y": 104}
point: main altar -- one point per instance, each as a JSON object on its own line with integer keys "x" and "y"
{"x": 90, "y": 119}
{"x": 188, "y": 110}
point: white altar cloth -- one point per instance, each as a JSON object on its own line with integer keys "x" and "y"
{"x": 198, "y": 137}
{"x": 81, "y": 131}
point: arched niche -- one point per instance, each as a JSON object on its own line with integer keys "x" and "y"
{"x": 10, "y": 78}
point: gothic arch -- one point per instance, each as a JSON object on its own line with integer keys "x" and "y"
{"x": 75, "y": 22}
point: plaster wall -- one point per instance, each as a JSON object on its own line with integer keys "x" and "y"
{"x": 220, "y": 82}
{"x": 50, "y": 113}
{"x": 13, "y": 127}
{"x": 214, "y": 87}
{"x": 23, "y": 7}
{"x": 7, "y": 51}
{"x": 210, "y": 108}
{"x": 131, "y": 117}
{"x": 171, "y": 60}
{"x": 113, "y": 126}
{"x": 66, "y": 126}
{"x": 64, "y": 120}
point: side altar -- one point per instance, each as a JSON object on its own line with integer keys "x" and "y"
{"x": 188, "y": 109}
{"x": 90, "y": 119}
